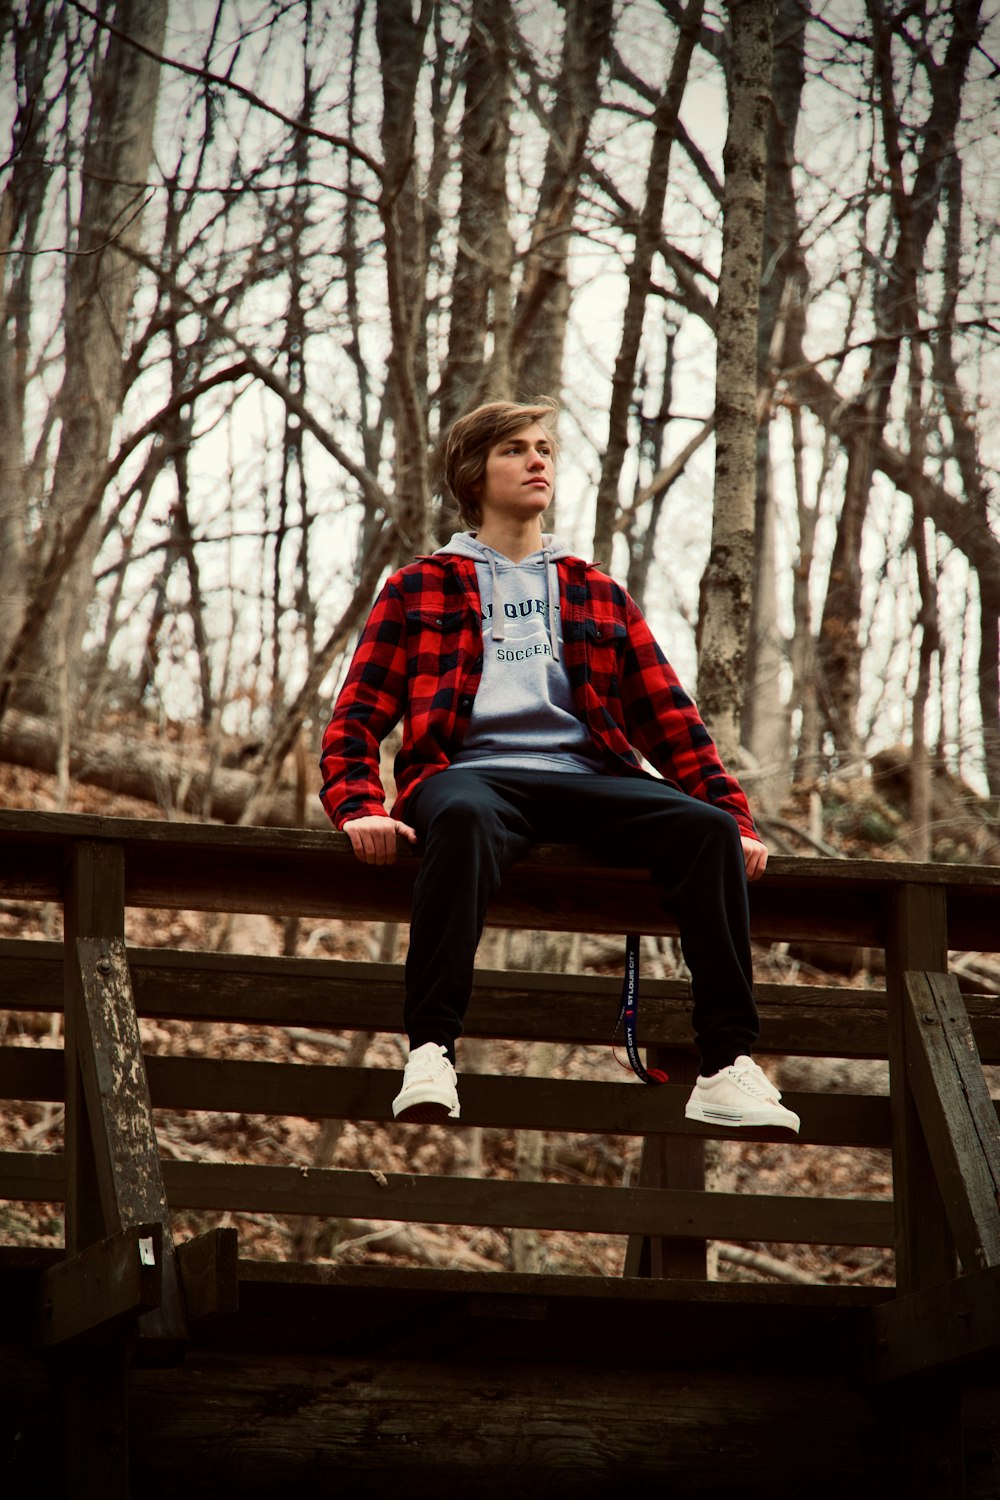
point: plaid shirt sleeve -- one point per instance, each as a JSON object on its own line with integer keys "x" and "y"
{"x": 368, "y": 706}
{"x": 665, "y": 725}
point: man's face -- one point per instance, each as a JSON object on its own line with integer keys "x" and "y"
{"x": 517, "y": 483}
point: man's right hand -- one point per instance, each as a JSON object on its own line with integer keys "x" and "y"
{"x": 373, "y": 839}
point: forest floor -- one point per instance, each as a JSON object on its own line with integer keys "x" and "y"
{"x": 741, "y": 1167}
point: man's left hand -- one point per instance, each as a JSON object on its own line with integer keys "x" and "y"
{"x": 754, "y": 857}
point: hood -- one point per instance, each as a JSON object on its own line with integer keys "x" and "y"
{"x": 467, "y": 544}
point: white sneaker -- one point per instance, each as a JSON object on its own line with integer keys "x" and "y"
{"x": 430, "y": 1087}
{"x": 737, "y": 1096}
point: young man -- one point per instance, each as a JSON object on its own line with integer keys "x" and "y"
{"x": 524, "y": 677}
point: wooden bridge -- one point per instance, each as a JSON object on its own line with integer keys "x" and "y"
{"x": 131, "y": 1365}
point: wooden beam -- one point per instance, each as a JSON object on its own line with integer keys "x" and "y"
{"x": 208, "y": 1268}
{"x": 106, "y": 1283}
{"x": 121, "y": 1118}
{"x": 527, "y": 1205}
{"x": 94, "y": 905}
{"x": 938, "y": 1327}
{"x": 925, "y": 1249}
{"x": 670, "y": 1162}
{"x": 924, "y": 1422}
{"x": 277, "y": 871}
{"x": 958, "y": 1117}
{"x": 807, "y": 1020}
{"x": 329, "y": 1091}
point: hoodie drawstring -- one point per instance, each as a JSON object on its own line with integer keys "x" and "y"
{"x": 553, "y": 596}
{"x": 497, "y": 625}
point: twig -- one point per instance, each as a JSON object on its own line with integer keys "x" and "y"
{"x": 767, "y": 1265}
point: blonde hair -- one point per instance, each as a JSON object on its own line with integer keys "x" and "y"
{"x": 469, "y": 440}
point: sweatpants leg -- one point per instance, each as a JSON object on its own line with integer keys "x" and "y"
{"x": 472, "y": 825}
{"x": 693, "y": 852}
{"x": 475, "y": 823}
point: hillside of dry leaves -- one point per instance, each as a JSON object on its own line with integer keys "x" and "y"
{"x": 850, "y": 819}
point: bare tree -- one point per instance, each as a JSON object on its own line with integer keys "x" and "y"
{"x": 348, "y": 234}
{"x": 100, "y": 284}
{"x": 647, "y": 240}
{"x": 726, "y": 584}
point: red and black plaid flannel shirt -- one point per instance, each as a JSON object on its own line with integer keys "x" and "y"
{"x": 420, "y": 658}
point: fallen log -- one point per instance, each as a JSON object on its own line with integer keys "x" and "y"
{"x": 178, "y": 783}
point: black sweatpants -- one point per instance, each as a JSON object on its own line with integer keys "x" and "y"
{"x": 474, "y": 823}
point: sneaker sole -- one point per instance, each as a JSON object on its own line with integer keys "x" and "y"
{"x": 737, "y": 1120}
{"x": 423, "y": 1103}
{"x": 426, "y": 1113}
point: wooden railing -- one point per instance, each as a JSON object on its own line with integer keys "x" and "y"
{"x": 120, "y": 1262}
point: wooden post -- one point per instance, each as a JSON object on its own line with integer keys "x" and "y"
{"x": 670, "y": 1162}
{"x": 927, "y": 1412}
{"x": 113, "y": 1179}
{"x": 957, "y": 1114}
{"x": 94, "y": 906}
{"x": 126, "y": 1157}
{"x": 96, "y": 1379}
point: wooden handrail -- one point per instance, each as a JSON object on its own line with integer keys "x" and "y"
{"x": 279, "y": 872}
{"x": 915, "y": 913}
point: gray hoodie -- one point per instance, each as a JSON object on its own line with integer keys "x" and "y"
{"x": 523, "y": 717}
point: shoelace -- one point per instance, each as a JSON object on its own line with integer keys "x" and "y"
{"x": 748, "y": 1079}
{"x": 428, "y": 1068}
{"x": 765, "y": 1082}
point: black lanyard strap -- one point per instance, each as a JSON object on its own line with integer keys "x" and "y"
{"x": 629, "y": 1010}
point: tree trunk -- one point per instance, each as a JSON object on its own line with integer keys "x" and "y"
{"x": 21, "y": 207}
{"x": 544, "y": 298}
{"x": 100, "y": 285}
{"x": 401, "y": 49}
{"x": 784, "y": 290}
{"x": 896, "y": 301}
{"x": 724, "y": 617}
{"x": 647, "y": 239}
{"x": 484, "y": 252}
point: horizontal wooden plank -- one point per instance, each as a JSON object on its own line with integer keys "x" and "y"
{"x": 54, "y": 831}
{"x": 381, "y": 1281}
{"x": 32, "y": 1176}
{"x": 316, "y": 1091}
{"x": 278, "y": 871}
{"x": 103, "y": 1284}
{"x": 529, "y": 1205}
{"x": 428, "y": 1425}
{"x": 805, "y": 1020}
{"x": 939, "y": 1326}
{"x": 403, "y": 1197}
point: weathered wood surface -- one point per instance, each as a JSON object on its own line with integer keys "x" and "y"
{"x": 106, "y": 1283}
{"x": 208, "y": 1271}
{"x": 490, "y": 1428}
{"x": 924, "y": 1421}
{"x": 262, "y": 1424}
{"x": 267, "y": 1426}
{"x": 319, "y": 1091}
{"x": 117, "y": 1093}
{"x": 520, "y": 1205}
{"x": 958, "y": 1117}
{"x": 676, "y": 1161}
{"x": 938, "y": 1327}
{"x": 340, "y": 994}
{"x": 925, "y": 1250}
{"x": 278, "y": 872}
{"x": 122, "y": 1132}
{"x": 359, "y": 1375}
